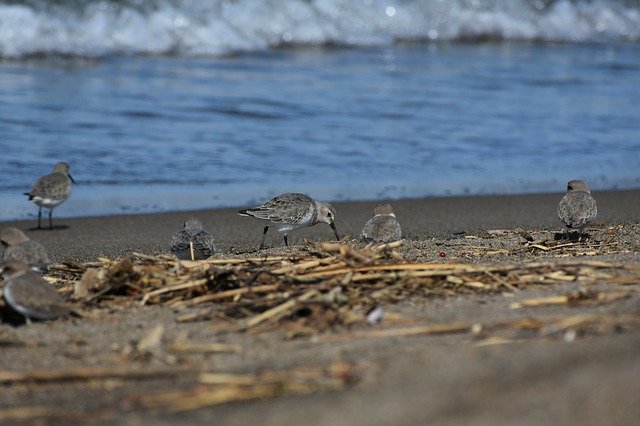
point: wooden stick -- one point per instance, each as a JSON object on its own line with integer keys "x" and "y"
{"x": 247, "y": 260}
{"x": 548, "y": 325}
{"x": 393, "y": 244}
{"x": 227, "y": 294}
{"x": 280, "y": 309}
{"x": 150, "y": 257}
{"x": 183, "y": 286}
{"x": 539, "y": 247}
{"x": 26, "y": 413}
{"x": 598, "y": 298}
{"x": 47, "y": 415}
{"x": 304, "y": 265}
{"x": 336, "y": 247}
{"x": 402, "y": 267}
{"x": 435, "y": 269}
{"x": 84, "y": 373}
{"x": 193, "y": 400}
{"x": 213, "y": 261}
{"x": 572, "y": 321}
{"x": 399, "y": 332}
{"x": 540, "y": 301}
{"x": 227, "y": 379}
{"x": 501, "y": 281}
{"x": 205, "y": 347}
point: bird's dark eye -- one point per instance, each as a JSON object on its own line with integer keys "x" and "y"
{"x": 329, "y": 214}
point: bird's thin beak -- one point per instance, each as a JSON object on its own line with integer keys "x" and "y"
{"x": 72, "y": 180}
{"x": 335, "y": 231}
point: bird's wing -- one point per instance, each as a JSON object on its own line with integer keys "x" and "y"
{"x": 203, "y": 242}
{"x": 43, "y": 186}
{"x": 285, "y": 208}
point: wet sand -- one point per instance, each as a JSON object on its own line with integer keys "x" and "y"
{"x": 589, "y": 379}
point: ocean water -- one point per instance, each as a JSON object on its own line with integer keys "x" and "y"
{"x": 173, "y": 105}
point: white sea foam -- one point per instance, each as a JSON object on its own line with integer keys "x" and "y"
{"x": 191, "y": 27}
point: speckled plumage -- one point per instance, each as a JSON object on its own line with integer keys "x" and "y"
{"x": 51, "y": 190}
{"x": 293, "y": 211}
{"x": 19, "y": 247}
{"x": 193, "y": 235}
{"x": 383, "y": 227}
{"x": 29, "y": 294}
{"x": 577, "y": 209}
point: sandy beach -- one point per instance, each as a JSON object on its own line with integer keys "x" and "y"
{"x": 113, "y": 236}
{"x": 573, "y": 373}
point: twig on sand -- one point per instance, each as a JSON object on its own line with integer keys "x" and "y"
{"x": 216, "y": 388}
{"x": 84, "y": 374}
{"x": 283, "y": 309}
{"x": 227, "y": 294}
{"x": 546, "y": 326}
{"x": 183, "y": 286}
{"x": 399, "y": 332}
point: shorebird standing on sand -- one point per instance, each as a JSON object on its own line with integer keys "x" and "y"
{"x": 19, "y": 247}
{"x": 192, "y": 242}
{"x": 577, "y": 208}
{"x": 51, "y": 190}
{"x": 383, "y": 227}
{"x": 29, "y": 294}
{"x": 293, "y": 211}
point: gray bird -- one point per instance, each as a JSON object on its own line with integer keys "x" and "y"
{"x": 51, "y": 190}
{"x": 19, "y": 247}
{"x": 29, "y": 294}
{"x": 577, "y": 208}
{"x": 383, "y": 227}
{"x": 192, "y": 242}
{"x": 293, "y": 211}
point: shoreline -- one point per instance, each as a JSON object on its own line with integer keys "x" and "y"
{"x": 86, "y": 238}
{"x": 108, "y": 200}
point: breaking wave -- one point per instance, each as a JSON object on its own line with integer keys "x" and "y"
{"x": 93, "y": 28}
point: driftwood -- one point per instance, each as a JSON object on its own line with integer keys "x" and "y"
{"x": 335, "y": 284}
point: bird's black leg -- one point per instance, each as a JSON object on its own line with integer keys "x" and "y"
{"x": 39, "y": 217}
{"x": 50, "y": 219}
{"x": 264, "y": 235}
{"x": 286, "y": 243}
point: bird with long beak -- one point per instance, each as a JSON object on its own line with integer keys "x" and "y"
{"x": 51, "y": 190}
{"x": 293, "y": 211}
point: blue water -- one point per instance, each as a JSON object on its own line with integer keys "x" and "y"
{"x": 407, "y": 119}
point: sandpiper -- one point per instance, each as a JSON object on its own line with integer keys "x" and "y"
{"x": 51, "y": 190}
{"x": 192, "y": 242}
{"x": 293, "y": 211}
{"x": 29, "y": 294}
{"x": 383, "y": 227}
{"x": 577, "y": 208}
{"x": 19, "y": 247}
